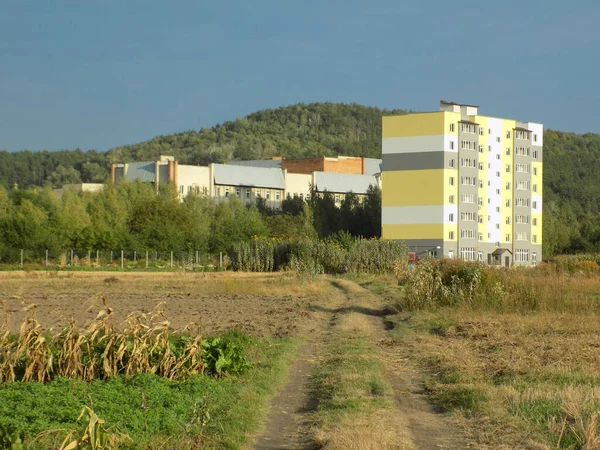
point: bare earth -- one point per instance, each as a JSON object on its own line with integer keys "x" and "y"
{"x": 188, "y": 298}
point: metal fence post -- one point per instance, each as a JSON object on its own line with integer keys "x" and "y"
{"x": 71, "y": 257}
{"x": 22, "y": 257}
{"x": 171, "y": 259}
{"x": 121, "y": 258}
{"x": 98, "y": 258}
{"x": 46, "y": 257}
{"x": 146, "y": 259}
{"x": 135, "y": 256}
{"x": 89, "y": 258}
{"x": 196, "y": 257}
{"x": 220, "y": 259}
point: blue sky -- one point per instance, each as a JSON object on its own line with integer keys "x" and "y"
{"x": 101, "y": 73}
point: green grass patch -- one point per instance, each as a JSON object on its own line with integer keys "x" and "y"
{"x": 350, "y": 379}
{"x": 466, "y": 398}
{"x": 203, "y": 410}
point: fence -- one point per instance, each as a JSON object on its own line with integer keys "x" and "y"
{"x": 124, "y": 259}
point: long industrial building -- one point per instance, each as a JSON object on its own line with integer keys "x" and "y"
{"x": 461, "y": 185}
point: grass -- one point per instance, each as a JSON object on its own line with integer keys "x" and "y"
{"x": 512, "y": 355}
{"x": 201, "y": 412}
{"x": 356, "y": 409}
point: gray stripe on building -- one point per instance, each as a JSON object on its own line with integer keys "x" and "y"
{"x": 414, "y": 161}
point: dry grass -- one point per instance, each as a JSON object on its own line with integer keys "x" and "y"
{"x": 365, "y": 432}
{"x": 221, "y": 283}
{"x": 539, "y": 373}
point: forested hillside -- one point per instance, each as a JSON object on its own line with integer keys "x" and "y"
{"x": 571, "y": 178}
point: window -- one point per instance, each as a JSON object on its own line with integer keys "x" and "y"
{"x": 508, "y": 203}
{"x": 467, "y": 216}
{"x": 497, "y": 226}
{"x": 467, "y": 253}
{"x": 468, "y": 128}
{"x": 467, "y": 234}
{"x": 452, "y": 127}
{"x": 497, "y": 174}
{"x": 507, "y": 238}
{"x": 337, "y": 199}
{"x": 467, "y": 198}
{"x": 480, "y": 219}
{"x": 497, "y": 209}
{"x": 508, "y": 134}
{"x": 534, "y": 222}
{"x": 508, "y": 186}
{"x": 480, "y": 148}
{"x": 489, "y": 236}
{"x": 451, "y": 162}
{"x": 534, "y": 239}
{"x": 258, "y": 193}
{"x": 522, "y": 202}
{"x": 522, "y": 219}
{"x": 508, "y": 150}
{"x": 480, "y": 166}
{"x": 481, "y": 131}
{"x": 535, "y": 171}
{"x": 480, "y": 237}
{"x": 498, "y": 191}
{"x": 451, "y": 145}
{"x": 237, "y": 192}
{"x": 522, "y": 236}
{"x": 480, "y": 255}
{"x": 498, "y": 157}
{"x": 507, "y": 221}
{"x": 522, "y": 134}
{"x": 451, "y": 181}
{"x": 451, "y": 235}
{"x": 523, "y": 185}
{"x": 521, "y": 255}
{"x": 534, "y": 205}
{"x": 534, "y": 189}
{"x": 451, "y": 199}
{"x": 534, "y": 140}
{"x": 508, "y": 168}
{"x": 468, "y": 145}
{"x": 522, "y": 151}
{"x": 534, "y": 258}
{"x": 451, "y": 254}
{"x": 268, "y": 195}
{"x": 181, "y": 189}
{"x": 247, "y": 193}
{"x": 480, "y": 183}
{"x": 489, "y": 148}
{"x": 489, "y": 165}
{"x": 278, "y": 195}
{"x": 451, "y": 217}
{"x": 480, "y": 201}
{"x": 468, "y": 181}
{"x": 535, "y": 154}
{"x": 498, "y": 139}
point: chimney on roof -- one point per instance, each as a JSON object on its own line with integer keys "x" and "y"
{"x": 464, "y": 110}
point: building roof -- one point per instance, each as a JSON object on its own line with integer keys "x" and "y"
{"x": 271, "y": 163}
{"x": 236, "y": 175}
{"x": 343, "y": 182}
{"x": 500, "y": 251}
{"x": 143, "y": 171}
{"x": 444, "y": 102}
{"x": 372, "y": 166}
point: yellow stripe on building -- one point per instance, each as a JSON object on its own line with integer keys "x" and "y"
{"x": 424, "y": 124}
{"x": 413, "y": 187}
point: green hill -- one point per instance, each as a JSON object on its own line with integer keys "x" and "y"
{"x": 571, "y": 178}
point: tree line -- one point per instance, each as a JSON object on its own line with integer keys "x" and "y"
{"x": 571, "y": 181}
{"x": 133, "y": 216}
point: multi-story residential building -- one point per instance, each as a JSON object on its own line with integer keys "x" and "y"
{"x": 462, "y": 185}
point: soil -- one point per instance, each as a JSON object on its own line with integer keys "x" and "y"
{"x": 81, "y": 298}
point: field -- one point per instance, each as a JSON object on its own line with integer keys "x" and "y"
{"x": 453, "y": 356}
{"x": 265, "y": 306}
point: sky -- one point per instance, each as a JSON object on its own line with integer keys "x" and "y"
{"x": 95, "y": 74}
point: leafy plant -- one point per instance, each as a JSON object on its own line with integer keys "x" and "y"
{"x": 223, "y": 355}
{"x": 10, "y": 438}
